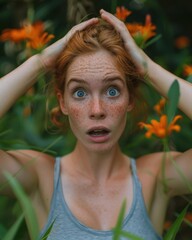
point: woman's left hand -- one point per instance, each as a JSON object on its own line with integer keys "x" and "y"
{"x": 139, "y": 58}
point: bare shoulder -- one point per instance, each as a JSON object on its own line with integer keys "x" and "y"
{"x": 174, "y": 168}
{"x": 32, "y": 158}
{"x": 26, "y": 165}
{"x": 149, "y": 166}
{"x": 154, "y": 160}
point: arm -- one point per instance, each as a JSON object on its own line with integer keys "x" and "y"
{"x": 178, "y": 167}
{"x": 160, "y": 78}
{"x": 16, "y": 83}
{"x": 24, "y": 164}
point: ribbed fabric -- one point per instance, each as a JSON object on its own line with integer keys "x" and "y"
{"x": 67, "y": 226}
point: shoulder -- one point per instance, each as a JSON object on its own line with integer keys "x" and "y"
{"x": 154, "y": 160}
{"x": 32, "y": 157}
{"x": 149, "y": 167}
{"x": 34, "y": 164}
{"x": 172, "y": 168}
{"x": 28, "y": 166}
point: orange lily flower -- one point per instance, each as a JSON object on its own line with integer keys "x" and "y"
{"x": 182, "y": 42}
{"x": 122, "y": 13}
{"x": 161, "y": 129}
{"x": 145, "y": 32}
{"x": 167, "y": 225}
{"x": 15, "y": 35}
{"x": 37, "y": 38}
{"x": 160, "y": 106}
{"x": 33, "y": 34}
{"x": 187, "y": 70}
{"x": 188, "y": 217}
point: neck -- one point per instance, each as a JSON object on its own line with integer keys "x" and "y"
{"x": 98, "y": 166}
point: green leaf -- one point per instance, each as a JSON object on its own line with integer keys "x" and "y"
{"x": 45, "y": 236}
{"x": 118, "y": 227}
{"x": 29, "y": 213}
{"x": 5, "y": 133}
{"x": 13, "y": 230}
{"x": 173, "y": 99}
{"x": 153, "y": 40}
{"x": 189, "y": 78}
{"x": 3, "y": 231}
{"x": 171, "y": 234}
{"x": 130, "y": 236}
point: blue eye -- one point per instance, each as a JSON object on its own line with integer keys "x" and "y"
{"x": 113, "y": 92}
{"x": 79, "y": 93}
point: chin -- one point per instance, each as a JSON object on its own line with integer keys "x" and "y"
{"x": 101, "y": 148}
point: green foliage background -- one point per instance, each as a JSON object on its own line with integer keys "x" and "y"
{"x": 172, "y": 18}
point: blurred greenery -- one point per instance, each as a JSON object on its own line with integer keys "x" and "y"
{"x": 24, "y": 126}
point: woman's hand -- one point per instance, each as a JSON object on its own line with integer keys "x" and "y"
{"x": 160, "y": 78}
{"x": 139, "y": 58}
{"x": 50, "y": 54}
{"x": 24, "y": 76}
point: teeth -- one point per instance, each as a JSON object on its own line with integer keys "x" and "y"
{"x": 98, "y": 132}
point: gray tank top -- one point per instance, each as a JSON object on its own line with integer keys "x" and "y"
{"x": 67, "y": 227}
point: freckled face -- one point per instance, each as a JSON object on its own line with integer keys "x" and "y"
{"x": 96, "y": 100}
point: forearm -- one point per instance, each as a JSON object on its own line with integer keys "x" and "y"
{"x": 161, "y": 80}
{"x": 17, "y": 82}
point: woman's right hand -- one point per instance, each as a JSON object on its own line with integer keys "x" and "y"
{"x": 50, "y": 54}
{"x": 17, "y": 82}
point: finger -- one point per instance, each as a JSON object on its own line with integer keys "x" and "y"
{"x": 109, "y": 17}
{"x": 80, "y": 27}
{"x": 85, "y": 24}
{"x": 116, "y": 23}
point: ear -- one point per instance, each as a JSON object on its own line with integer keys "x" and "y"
{"x": 62, "y": 104}
{"x": 130, "y": 105}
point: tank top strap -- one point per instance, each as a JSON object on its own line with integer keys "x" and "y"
{"x": 134, "y": 171}
{"x": 57, "y": 171}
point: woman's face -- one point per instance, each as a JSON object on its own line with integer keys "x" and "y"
{"x": 96, "y": 100}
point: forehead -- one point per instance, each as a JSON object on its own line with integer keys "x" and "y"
{"x": 95, "y": 64}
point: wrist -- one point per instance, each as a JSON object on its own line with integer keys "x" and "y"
{"x": 149, "y": 67}
{"x": 42, "y": 62}
{"x": 36, "y": 62}
{"x": 152, "y": 68}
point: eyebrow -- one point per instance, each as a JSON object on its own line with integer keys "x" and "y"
{"x": 113, "y": 79}
{"x": 105, "y": 80}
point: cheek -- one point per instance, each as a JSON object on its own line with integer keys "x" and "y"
{"x": 119, "y": 109}
{"x": 76, "y": 114}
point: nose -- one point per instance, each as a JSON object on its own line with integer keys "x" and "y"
{"x": 97, "y": 109}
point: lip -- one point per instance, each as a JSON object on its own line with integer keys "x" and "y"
{"x": 98, "y": 138}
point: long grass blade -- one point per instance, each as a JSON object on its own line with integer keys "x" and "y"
{"x": 118, "y": 227}
{"x": 173, "y": 99}
{"x": 46, "y": 235}
{"x": 13, "y": 230}
{"x": 29, "y": 213}
{"x": 171, "y": 234}
{"x": 130, "y": 236}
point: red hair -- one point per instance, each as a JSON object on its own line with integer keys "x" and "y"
{"x": 92, "y": 39}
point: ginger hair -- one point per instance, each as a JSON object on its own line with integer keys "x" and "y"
{"x": 94, "y": 38}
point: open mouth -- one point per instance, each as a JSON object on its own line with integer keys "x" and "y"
{"x": 98, "y": 132}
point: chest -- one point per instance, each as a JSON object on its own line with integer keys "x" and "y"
{"x": 97, "y": 205}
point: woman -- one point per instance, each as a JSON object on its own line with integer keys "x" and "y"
{"x": 97, "y": 73}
